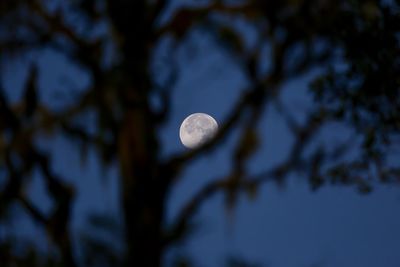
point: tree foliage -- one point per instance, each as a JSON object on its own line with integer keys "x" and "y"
{"x": 352, "y": 45}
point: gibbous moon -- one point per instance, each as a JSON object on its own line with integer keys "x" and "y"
{"x": 197, "y": 129}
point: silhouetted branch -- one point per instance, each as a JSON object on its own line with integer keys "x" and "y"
{"x": 186, "y": 18}
{"x": 253, "y": 97}
{"x": 177, "y": 161}
{"x": 206, "y": 192}
{"x": 33, "y": 211}
{"x": 159, "y": 7}
{"x": 56, "y": 24}
{"x": 165, "y": 90}
{"x": 232, "y": 182}
{"x": 12, "y": 186}
{"x": 364, "y": 92}
{"x": 58, "y": 222}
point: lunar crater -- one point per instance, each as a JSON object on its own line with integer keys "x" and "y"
{"x": 197, "y": 129}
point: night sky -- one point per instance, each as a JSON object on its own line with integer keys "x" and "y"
{"x": 284, "y": 226}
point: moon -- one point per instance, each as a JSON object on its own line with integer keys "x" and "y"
{"x": 197, "y": 129}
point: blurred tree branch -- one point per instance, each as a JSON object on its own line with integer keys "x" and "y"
{"x": 299, "y": 37}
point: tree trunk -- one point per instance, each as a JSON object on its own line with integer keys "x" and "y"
{"x": 143, "y": 193}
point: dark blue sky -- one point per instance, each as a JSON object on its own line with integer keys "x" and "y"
{"x": 291, "y": 227}
{"x": 282, "y": 227}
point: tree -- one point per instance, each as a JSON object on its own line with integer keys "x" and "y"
{"x": 353, "y": 45}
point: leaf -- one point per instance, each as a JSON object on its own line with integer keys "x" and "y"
{"x": 252, "y": 190}
{"x": 104, "y": 222}
{"x": 369, "y": 139}
{"x": 248, "y": 145}
{"x": 235, "y": 261}
{"x": 316, "y": 181}
{"x": 232, "y": 38}
{"x": 99, "y": 252}
{"x": 182, "y": 261}
{"x": 184, "y": 20}
{"x": 364, "y": 187}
